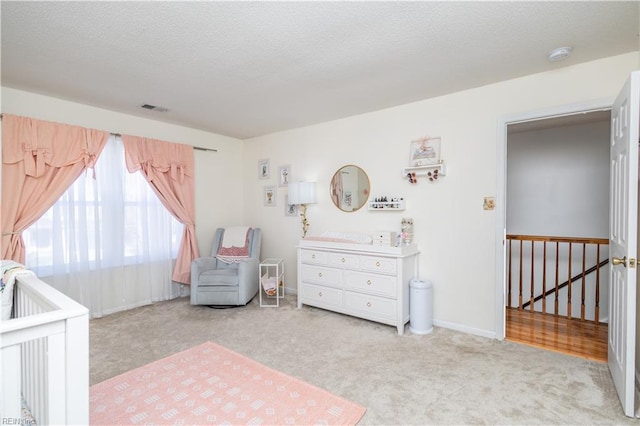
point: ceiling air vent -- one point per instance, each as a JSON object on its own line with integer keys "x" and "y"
{"x": 154, "y": 108}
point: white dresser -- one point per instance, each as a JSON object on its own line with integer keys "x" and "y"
{"x": 366, "y": 281}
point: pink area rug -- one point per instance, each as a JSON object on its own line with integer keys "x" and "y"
{"x": 209, "y": 384}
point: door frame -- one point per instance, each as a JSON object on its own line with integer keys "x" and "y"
{"x": 501, "y": 189}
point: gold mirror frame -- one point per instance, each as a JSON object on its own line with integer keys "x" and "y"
{"x": 350, "y": 188}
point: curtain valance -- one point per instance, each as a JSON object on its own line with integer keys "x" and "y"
{"x": 38, "y": 143}
{"x": 155, "y": 156}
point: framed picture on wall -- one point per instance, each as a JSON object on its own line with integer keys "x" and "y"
{"x": 424, "y": 151}
{"x": 290, "y": 209}
{"x": 263, "y": 169}
{"x": 269, "y": 196}
{"x": 284, "y": 173}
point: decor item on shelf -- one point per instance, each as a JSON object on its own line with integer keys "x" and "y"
{"x": 406, "y": 230}
{"x": 424, "y": 151}
{"x": 433, "y": 175}
{"x": 302, "y": 193}
{"x": 349, "y": 188}
{"x": 387, "y": 203}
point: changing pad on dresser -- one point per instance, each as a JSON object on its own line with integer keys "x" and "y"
{"x": 341, "y": 237}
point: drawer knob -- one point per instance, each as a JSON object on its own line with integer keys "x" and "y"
{"x": 313, "y": 256}
{"x": 320, "y": 274}
{"x": 368, "y": 304}
{"x": 377, "y": 263}
{"x": 343, "y": 260}
{"x": 368, "y": 282}
{"x": 320, "y": 293}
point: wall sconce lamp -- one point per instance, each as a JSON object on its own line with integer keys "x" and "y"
{"x": 302, "y": 193}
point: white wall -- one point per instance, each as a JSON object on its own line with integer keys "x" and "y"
{"x": 218, "y": 176}
{"x": 558, "y": 181}
{"x": 456, "y": 235}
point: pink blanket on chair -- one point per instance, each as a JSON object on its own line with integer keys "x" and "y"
{"x": 235, "y": 245}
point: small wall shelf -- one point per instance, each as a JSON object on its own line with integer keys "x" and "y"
{"x": 440, "y": 169}
{"x": 393, "y": 204}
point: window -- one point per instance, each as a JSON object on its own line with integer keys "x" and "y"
{"x": 111, "y": 221}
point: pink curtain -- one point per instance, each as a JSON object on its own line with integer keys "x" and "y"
{"x": 40, "y": 160}
{"x": 169, "y": 168}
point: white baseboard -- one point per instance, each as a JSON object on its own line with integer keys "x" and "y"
{"x": 464, "y": 329}
{"x": 437, "y": 323}
{"x": 291, "y": 290}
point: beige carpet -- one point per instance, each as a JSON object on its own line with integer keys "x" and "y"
{"x": 446, "y": 377}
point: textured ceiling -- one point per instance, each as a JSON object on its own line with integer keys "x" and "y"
{"x": 245, "y": 69}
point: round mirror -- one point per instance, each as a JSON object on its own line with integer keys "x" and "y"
{"x": 349, "y": 188}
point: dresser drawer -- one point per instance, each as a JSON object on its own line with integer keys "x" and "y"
{"x": 321, "y": 296}
{"x": 382, "y": 285}
{"x": 344, "y": 260}
{"x": 368, "y": 306}
{"x": 378, "y": 264}
{"x": 321, "y": 275}
{"x": 313, "y": 256}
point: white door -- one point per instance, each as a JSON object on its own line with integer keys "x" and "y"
{"x": 625, "y": 116}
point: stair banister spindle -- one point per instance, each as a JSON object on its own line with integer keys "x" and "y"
{"x": 584, "y": 275}
{"x": 544, "y": 276}
{"x": 510, "y": 272}
{"x": 596, "y": 317}
{"x": 557, "y": 277}
{"x": 569, "y": 278}
{"x": 532, "y": 292}
{"x": 520, "y": 279}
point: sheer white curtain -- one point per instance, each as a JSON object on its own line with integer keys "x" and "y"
{"x": 107, "y": 243}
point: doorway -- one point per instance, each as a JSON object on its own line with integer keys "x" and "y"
{"x": 548, "y": 191}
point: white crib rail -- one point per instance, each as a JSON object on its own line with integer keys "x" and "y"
{"x": 45, "y": 355}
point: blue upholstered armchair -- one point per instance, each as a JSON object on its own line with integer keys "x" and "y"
{"x": 216, "y": 282}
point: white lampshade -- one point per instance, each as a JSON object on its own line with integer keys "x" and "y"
{"x": 302, "y": 193}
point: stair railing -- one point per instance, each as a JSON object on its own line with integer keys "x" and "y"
{"x": 554, "y": 259}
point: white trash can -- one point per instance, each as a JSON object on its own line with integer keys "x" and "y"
{"x": 420, "y": 307}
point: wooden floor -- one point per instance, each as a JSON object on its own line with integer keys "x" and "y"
{"x": 583, "y": 339}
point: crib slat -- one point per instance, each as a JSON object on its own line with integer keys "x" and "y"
{"x": 10, "y": 401}
{"x": 55, "y": 374}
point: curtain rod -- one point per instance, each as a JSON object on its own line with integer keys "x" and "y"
{"x": 199, "y": 148}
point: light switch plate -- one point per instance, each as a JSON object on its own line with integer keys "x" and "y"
{"x": 489, "y": 203}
